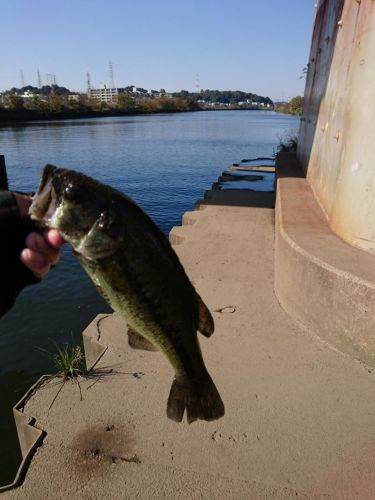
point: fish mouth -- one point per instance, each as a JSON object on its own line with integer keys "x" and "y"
{"x": 45, "y": 201}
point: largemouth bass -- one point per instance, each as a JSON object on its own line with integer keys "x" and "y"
{"x": 136, "y": 270}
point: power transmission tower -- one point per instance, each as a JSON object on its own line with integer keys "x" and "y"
{"x": 197, "y": 84}
{"x": 54, "y": 79}
{"x": 39, "y": 80}
{"x": 88, "y": 80}
{"x": 110, "y": 72}
{"x": 22, "y": 79}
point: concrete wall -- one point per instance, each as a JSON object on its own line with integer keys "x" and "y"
{"x": 337, "y": 134}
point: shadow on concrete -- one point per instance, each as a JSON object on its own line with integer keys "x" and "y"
{"x": 252, "y": 186}
{"x": 238, "y": 198}
{"x": 287, "y": 165}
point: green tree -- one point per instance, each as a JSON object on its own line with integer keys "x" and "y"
{"x": 296, "y": 106}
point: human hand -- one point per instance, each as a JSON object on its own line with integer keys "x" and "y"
{"x": 42, "y": 250}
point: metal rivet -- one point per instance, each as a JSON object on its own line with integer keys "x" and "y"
{"x": 340, "y": 23}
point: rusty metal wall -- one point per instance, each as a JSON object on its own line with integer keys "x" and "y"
{"x": 337, "y": 133}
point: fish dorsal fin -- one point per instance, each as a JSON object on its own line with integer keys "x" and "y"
{"x": 206, "y": 324}
{"x": 137, "y": 341}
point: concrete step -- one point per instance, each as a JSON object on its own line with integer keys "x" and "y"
{"x": 320, "y": 279}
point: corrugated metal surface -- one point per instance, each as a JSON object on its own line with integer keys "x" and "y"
{"x": 337, "y": 135}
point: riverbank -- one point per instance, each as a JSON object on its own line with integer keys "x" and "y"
{"x": 15, "y": 117}
{"x": 8, "y": 117}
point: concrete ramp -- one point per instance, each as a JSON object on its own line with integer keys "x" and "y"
{"x": 299, "y": 419}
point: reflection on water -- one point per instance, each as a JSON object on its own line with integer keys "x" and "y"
{"x": 164, "y": 162}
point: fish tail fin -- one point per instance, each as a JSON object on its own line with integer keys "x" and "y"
{"x": 203, "y": 403}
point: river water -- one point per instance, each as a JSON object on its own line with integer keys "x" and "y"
{"x": 164, "y": 162}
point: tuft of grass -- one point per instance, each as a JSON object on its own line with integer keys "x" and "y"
{"x": 288, "y": 144}
{"x": 69, "y": 361}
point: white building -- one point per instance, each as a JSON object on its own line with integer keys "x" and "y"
{"x": 104, "y": 94}
{"x": 27, "y": 95}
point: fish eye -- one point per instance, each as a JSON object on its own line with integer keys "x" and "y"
{"x": 70, "y": 192}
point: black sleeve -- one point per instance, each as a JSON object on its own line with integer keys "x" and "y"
{"x": 14, "y": 276}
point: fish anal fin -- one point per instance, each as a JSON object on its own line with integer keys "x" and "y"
{"x": 137, "y": 341}
{"x": 206, "y": 324}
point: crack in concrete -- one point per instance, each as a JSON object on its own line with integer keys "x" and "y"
{"x": 99, "y": 331}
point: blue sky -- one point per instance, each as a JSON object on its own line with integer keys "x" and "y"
{"x": 256, "y": 46}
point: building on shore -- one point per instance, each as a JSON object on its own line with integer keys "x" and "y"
{"x": 104, "y": 94}
{"x": 110, "y": 94}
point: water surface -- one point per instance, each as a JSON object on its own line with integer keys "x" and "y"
{"x": 164, "y": 162}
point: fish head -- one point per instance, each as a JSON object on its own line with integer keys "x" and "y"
{"x": 81, "y": 209}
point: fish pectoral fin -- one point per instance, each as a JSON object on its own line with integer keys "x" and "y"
{"x": 203, "y": 403}
{"x": 137, "y": 341}
{"x": 206, "y": 324}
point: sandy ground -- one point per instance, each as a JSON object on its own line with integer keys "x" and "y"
{"x": 299, "y": 417}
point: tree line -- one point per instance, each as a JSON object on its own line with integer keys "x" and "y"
{"x": 53, "y": 101}
{"x": 224, "y": 96}
{"x": 293, "y": 107}
{"x": 58, "y": 105}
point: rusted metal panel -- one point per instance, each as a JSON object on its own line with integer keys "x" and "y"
{"x": 337, "y": 145}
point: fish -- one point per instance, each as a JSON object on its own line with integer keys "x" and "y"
{"x": 134, "y": 267}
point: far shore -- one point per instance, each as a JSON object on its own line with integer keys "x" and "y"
{"x": 18, "y": 117}
{"x": 15, "y": 117}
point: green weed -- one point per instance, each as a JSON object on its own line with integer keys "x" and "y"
{"x": 68, "y": 361}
